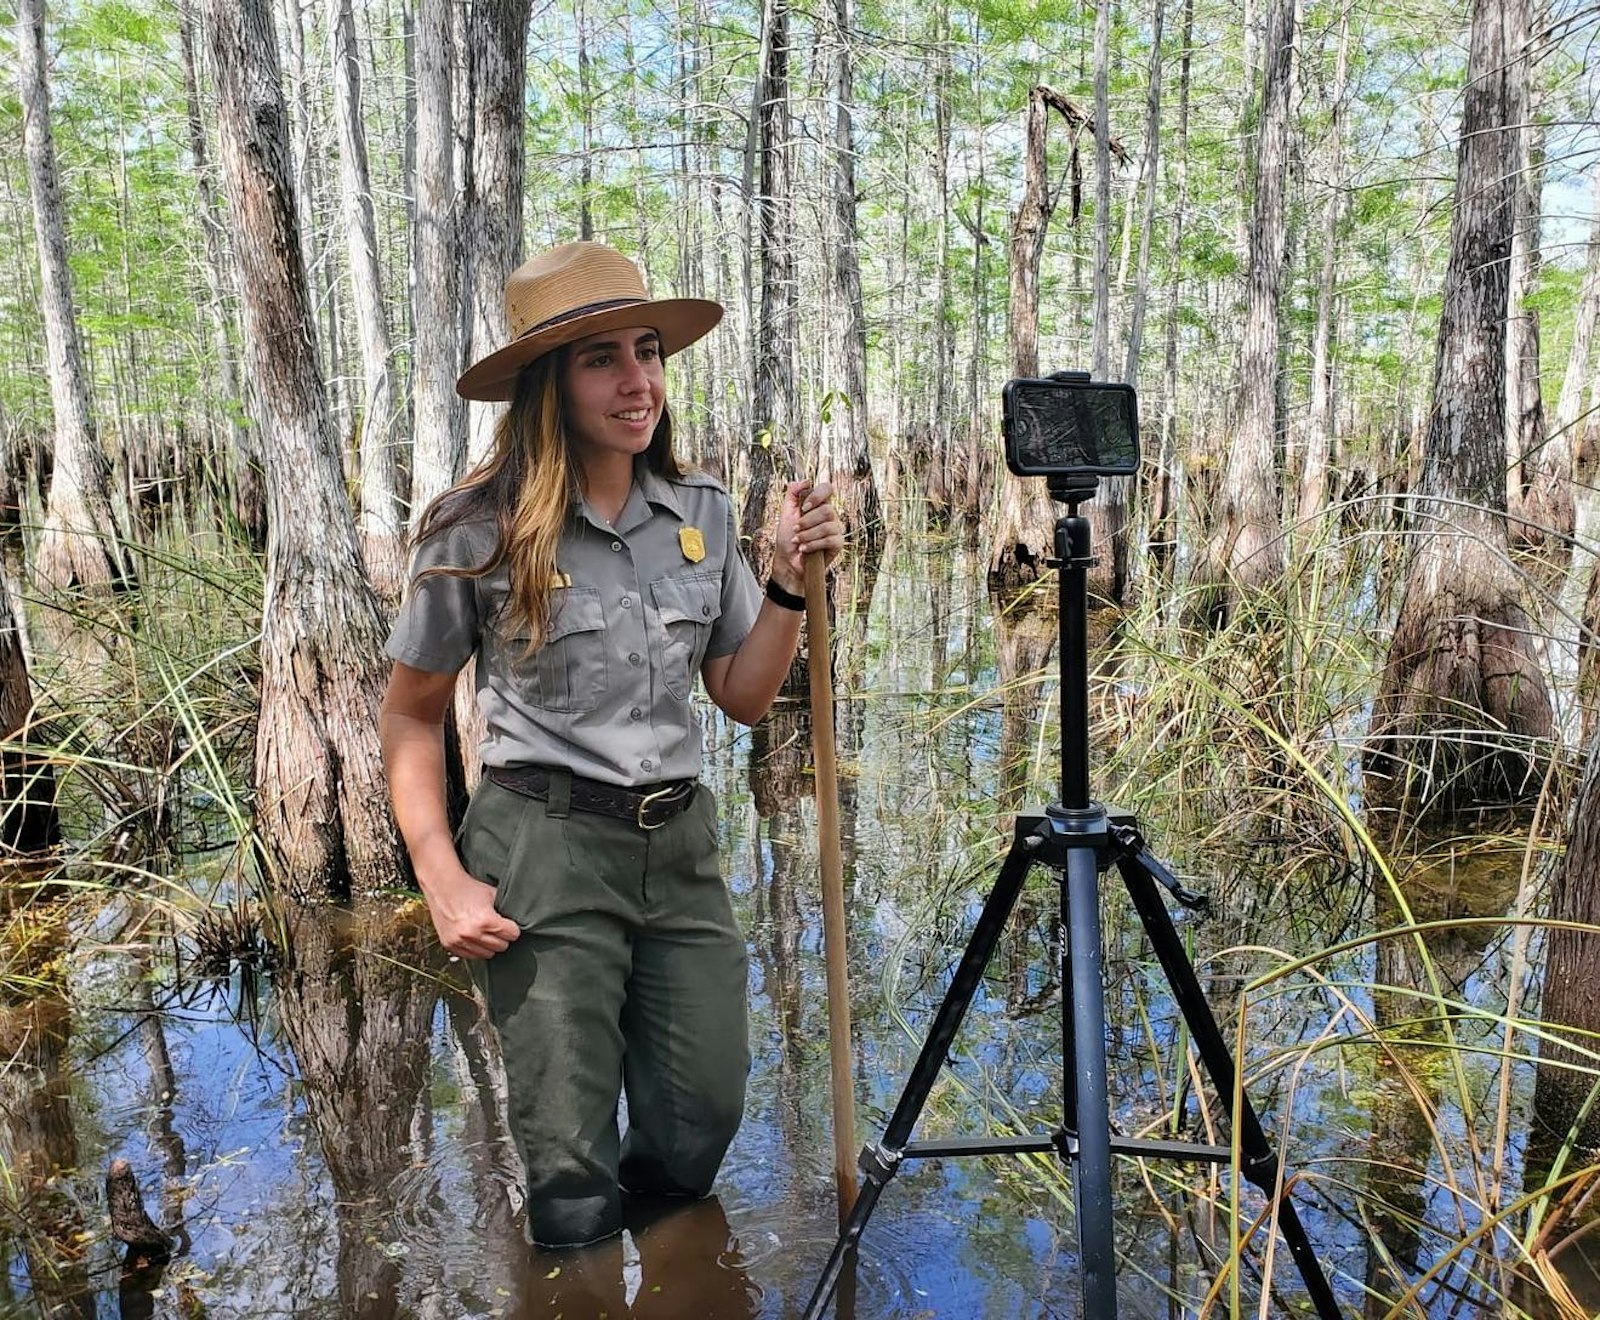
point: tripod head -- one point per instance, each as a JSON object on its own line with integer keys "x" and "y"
{"x": 1072, "y": 489}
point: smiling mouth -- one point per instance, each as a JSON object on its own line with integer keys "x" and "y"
{"x": 635, "y": 415}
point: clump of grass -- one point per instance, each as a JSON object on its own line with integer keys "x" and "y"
{"x": 145, "y": 709}
{"x": 230, "y": 935}
{"x": 147, "y": 701}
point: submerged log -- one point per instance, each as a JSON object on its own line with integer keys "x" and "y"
{"x": 130, "y": 1223}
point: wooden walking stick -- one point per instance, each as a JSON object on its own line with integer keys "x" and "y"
{"x": 820, "y": 665}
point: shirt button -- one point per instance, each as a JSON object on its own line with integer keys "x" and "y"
{"x": 706, "y": 610}
{"x": 647, "y": 765}
{"x": 633, "y": 658}
{"x": 635, "y": 714}
{"x": 616, "y": 545}
{"x": 627, "y": 602}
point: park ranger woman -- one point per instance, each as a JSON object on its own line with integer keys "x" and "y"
{"x": 594, "y": 579}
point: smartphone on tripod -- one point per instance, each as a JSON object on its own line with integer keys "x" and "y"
{"x": 1067, "y": 425}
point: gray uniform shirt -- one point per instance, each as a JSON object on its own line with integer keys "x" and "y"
{"x": 640, "y": 606}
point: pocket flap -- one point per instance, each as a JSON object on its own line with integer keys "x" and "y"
{"x": 691, "y": 598}
{"x": 574, "y": 610}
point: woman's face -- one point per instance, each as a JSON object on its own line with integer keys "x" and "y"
{"x": 614, "y": 388}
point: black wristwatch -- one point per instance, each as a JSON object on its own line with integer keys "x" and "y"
{"x": 787, "y": 599}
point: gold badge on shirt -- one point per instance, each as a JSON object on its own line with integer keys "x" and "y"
{"x": 558, "y": 580}
{"x": 692, "y": 541}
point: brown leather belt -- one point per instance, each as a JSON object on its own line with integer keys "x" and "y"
{"x": 648, "y": 808}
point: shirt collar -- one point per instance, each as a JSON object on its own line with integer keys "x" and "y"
{"x": 654, "y": 488}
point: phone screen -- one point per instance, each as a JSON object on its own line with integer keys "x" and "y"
{"x": 1055, "y": 426}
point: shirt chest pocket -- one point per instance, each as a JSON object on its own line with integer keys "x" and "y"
{"x": 568, "y": 673}
{"x": 686, "y": 607}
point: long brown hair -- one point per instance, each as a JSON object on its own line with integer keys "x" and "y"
{"x": 526, "y": 483}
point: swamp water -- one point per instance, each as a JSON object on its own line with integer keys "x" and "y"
{"x": 325, "y": 1138}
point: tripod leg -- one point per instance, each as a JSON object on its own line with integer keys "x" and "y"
{"x": 958, "y": 998}
{"x": 842, "y": 1258}
{"x": 1260, "y": 1163}
{"x": 1084, "y": 1046}
{"x": 880, "y": 1162}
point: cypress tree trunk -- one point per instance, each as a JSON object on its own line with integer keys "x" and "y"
{"x": 846, "y": 455}
{"x": 1571, "y": 989}
{"x": 938, "y": 480}
{"x": 586, "y": 140}
{"x": 1246, "y": 554}
{"x": 771, "y": 449}
{"x": 440, "y": 446}
{"x": 246, "y": 492}
{"x": 306, "y": 155}
{"x": 79, "y": 546}
{"x": 1108, "y": 511}
{"x": 1589, "y": 657}
{"x": 495, "y": 55}
{"x": 1102, "y": 189}
{"x": 1577, "y": 371}
{"x": 493, "y": 213}
{"x": 1542, "y": 509}
{"x": 977, "y": 446}
{"x": 381, "y": 422}
{"x": 1025, "y": 529}
{"x": 1462, "y": 712}
{"x": 1147, "y": 222}
{"x": 1319, "y": 426}
{"x": 750, "y": 220}
{"x": 1168, "y": 486}
{"x": 1539, "y": 469}
{"x": 709, "y": 265}
{"x": 320, "y": 800}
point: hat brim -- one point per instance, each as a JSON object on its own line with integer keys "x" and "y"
{"x": 678, "y": 322}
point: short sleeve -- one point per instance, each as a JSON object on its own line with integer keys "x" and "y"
{"x": 741, "y": 597}
{"x": 439, "y": 623}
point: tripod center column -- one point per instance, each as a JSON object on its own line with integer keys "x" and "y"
{"x": 1074, "y": 559}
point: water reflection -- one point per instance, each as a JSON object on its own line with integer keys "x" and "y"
{"x": 144, "y": 1266}
{"x": 676, "y": 1262}
{"x": 162, "y": 1094}
{"x": 494, "y": 1171}
{"x": 357, "y": 1004}
{"x": 1423, "y": 1189}
{"x": 785, "y": 894}
{"x": 1025, "y": 636}
{"x": 38, "y": 1138}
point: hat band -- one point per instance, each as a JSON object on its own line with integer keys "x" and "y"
{"x": 587, "y": 309}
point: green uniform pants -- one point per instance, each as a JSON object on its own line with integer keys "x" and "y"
{"x": 630, "y": 974}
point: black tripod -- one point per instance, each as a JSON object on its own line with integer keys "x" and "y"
{"x": 1078, "y": 839}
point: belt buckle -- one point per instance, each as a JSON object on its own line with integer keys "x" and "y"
{"x": 644, "y": 803}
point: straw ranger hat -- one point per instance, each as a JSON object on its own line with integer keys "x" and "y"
{"x": 569, "y": 293}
